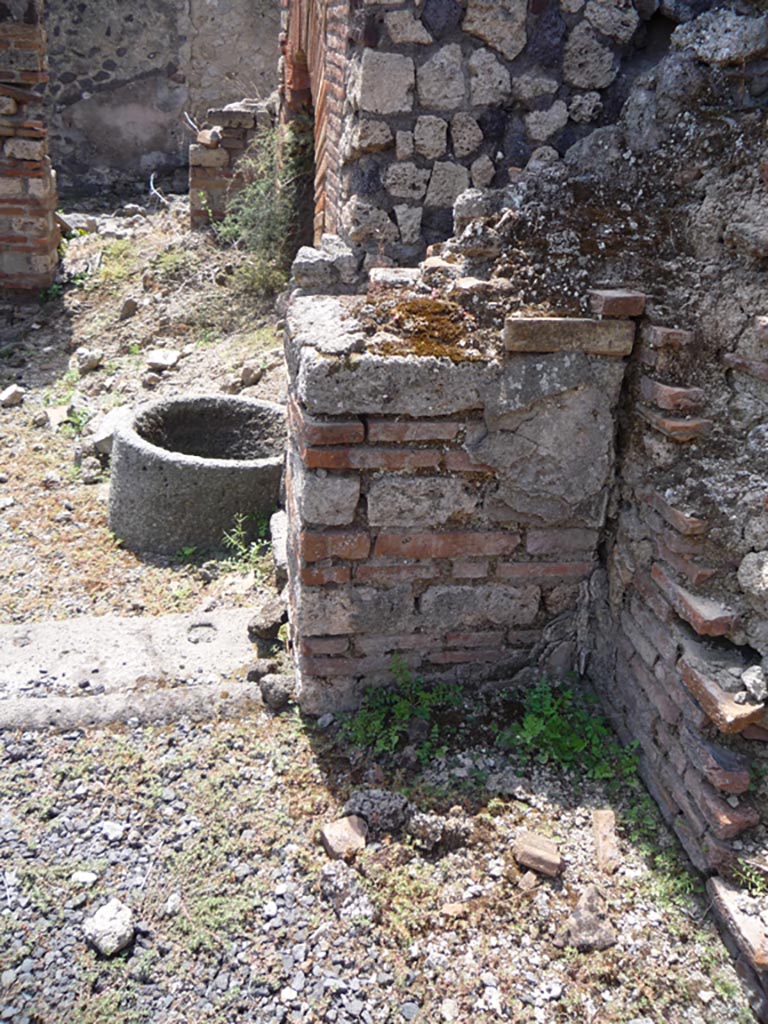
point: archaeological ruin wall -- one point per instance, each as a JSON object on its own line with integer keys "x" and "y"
{"x": 443, "y": 508}
{"x": 28, "y": 232}
{"x": 124, "y": 72}
{"x": 416, "y": 101}
{"x": 475, "y": 484}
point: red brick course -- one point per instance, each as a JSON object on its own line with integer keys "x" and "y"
{"x": 395, "y": 459}
{"x": 617, "y": 302}
{"x": 560, "y": 542}
{"x": 397, "y": 432}
{"x": 672, "y": 399}
{"x": 688, "y": 525}
{"x": 353, "y": 545}
{"x": 317, "y": 576}
{"x": 444, "y": 545}
{"x": 544, "y": 572}
{"x": 680, "y": 431}
{"x": 706, "y": 616}
{"x": 719, "y": 705}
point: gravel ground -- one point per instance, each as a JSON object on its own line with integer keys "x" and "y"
{"x": 207, "y": 832}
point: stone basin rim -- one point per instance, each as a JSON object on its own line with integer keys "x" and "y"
{"x": 127, "y": 430}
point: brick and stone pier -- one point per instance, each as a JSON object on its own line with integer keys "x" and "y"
{"x": 445, "y": 508}
{"x": 29, "y": 235}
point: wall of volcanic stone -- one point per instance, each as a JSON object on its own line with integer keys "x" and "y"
{"x": 437, "y": 95}
{"x": 123, "y": 72}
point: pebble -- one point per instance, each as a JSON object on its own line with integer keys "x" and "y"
{"x": 161, "y": 359}
{"x": 86, "y": 360}
{"x": 87, "y": 878}
{"x": 113, "y": 831}
{"x": 128, "y": 309}
{"x": 12, "y": 395}
{"x": 111, "y": 928}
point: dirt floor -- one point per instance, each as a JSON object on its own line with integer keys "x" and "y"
{"x": 139, "y": 285}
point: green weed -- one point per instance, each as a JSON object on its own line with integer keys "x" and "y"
{"x": 173, "y": 263}
{"x": 187, "y": 554}
{"x": 76, "y": 421}
{"x": 118, "y": 262}
{"x": 559, "y": 728}
{"x": 751, "y": 878}
{"x": 63, "y": 389}
{"x": 387, "y": 714}
{"x": 55, "y": 291}
{"x": 248, "y": 546}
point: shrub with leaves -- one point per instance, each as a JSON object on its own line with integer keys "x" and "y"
{"x": 386, "y": 717}
{"x": 264, "y": 217}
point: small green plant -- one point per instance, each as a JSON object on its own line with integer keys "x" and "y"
{"x": 671, "y": 882}
{"x": 79, "y": 279}
{"x": 248, "y": 546}
{"x": 558, "y": 728}
{"x": 187, "y": 553}
{"x": 207, "y": 336}
{"x": 75, "y": 423}
{"x": 63, "y": 389}
{"x": 118, "y": 262}
{"x": 751, "y": 878}
{"x": 55, "y": 291}
{"x": 387, "y": 715}
{"x": 172, "y": 263}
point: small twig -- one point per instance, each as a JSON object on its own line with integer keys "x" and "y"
{"x": 154, "y": 192}
{"x": 190, "y": 123}
{"x": 9, "y": 894}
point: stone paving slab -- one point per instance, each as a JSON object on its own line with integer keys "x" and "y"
{"x": 97, "y": 656}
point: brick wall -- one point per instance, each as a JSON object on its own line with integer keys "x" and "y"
{"x": 28, "y": 233}
{"x": 670, "y": 638}
{"x": 669, "y": 654}
{"x": 446, "y": 509}
{"x": 313, "y": 79}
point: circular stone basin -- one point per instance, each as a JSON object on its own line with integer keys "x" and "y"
{"x": 184, "y": 468}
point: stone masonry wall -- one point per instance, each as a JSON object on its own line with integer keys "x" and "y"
{"x": 443, "y": 508}
{"x": 214, "y": 175}
{"x": 28, "y": 233}
{"x": 123, "y": 72}
{"x": 439, "y": 95}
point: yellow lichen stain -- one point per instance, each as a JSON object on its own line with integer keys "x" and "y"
{"x": 426, "y": 327}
